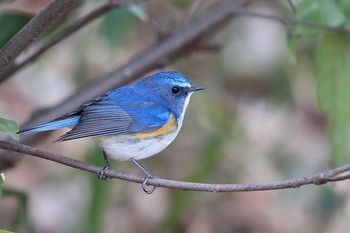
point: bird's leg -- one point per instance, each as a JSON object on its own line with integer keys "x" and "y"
{"x": 147, "y": 177}
{"x": 101, "y": 174}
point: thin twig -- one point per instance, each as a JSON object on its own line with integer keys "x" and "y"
{"x": 116, "y": 4}
{"x": 318, "y": 179}
{"x": 96, "y": 13}
{"x": 156, "y": 56}
{"x": 31, "y": 31}
{"x": 294, "y": 9}
{"x": 162, "y": 53}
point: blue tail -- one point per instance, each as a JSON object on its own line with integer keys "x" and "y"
{"x": 57, "y": 124}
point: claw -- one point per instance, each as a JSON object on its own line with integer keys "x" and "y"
{"x": 101, "y": 174}
{"x": 147, "y": 177}
{"x": 144, "y": 184}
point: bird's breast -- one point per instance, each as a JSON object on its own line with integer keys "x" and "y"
{"x": 141, "y": 145}
{"x": 168, "y": 128}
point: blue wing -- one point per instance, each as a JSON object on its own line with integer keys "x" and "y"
{"x": 107, "y": 117}
{"x": 56, "y": 124}
{"x": 70, "y": 119}
{"x": 117, "y": 112}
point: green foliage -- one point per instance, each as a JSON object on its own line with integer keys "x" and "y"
{"x": 9, "y": 127}
{"x": 3, "y": 231}
{"x": 2, "y": 178}
{"x": 209, "y": 160}
{"x": 182, "y": 3}
{"x": 345, "y": 6}
{"x": 10, "y": 24}
{"x": 93, "y": 221}
{"x": 327, "y": 202}
{"x": 291, "y": 44}
{"x": 21, "y": 219}
{"x": 333, "y": 85}
{"x": 322, "y": 12}
{"x": 115, "y": 25}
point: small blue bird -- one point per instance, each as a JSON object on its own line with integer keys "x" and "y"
{"x": 132, "y": 122}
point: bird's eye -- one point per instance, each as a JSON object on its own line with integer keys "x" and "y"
{"x": 175, "y": 90}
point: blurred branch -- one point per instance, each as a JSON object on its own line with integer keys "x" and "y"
{"x": 103, "y": 9}
{"x": 112, "y": 4}
{"x": 161, "y": 54}
{"x": 318, "y": 179}
{"x": 31, "y": 31}
{"x": 156, "y": 56}
{"x": 291, "y": 4}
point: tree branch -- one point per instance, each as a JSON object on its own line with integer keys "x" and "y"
{"x": 318, "y": 179}
{"x": 96, "y": 13}
{"x": 156, "y": 56}
{"x": 31, "y": 31}
{"x": 112, "y": 4}
{"x": 161, "y": 54}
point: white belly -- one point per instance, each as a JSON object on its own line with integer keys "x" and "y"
{"x": 125, "y": 147}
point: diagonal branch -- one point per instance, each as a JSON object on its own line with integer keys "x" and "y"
{"x": 156, "y": 56}
{"x": 161, "y": 54}
{"x": 318, "y": 179}
{"x": 36, "y": 26}
{"x": 96, "y": 13}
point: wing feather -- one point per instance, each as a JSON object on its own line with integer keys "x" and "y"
{"x": 100, "y": 119}
{"x": 106, "y": 117}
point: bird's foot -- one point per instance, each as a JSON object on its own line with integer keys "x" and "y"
{"x": 147, "y": 177}
{"x": 144, "y": 184}
{"x": 102, "y": 173}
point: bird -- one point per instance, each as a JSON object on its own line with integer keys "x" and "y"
{"x": 132, "y": 122}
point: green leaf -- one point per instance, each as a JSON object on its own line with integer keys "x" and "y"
{"x": 345, "y": 6}
{"x": 291, "y": 43}
{"x": 3, "y": 231}
{"x": 333, "y": 85}
{"x": 2, "y": 178}
{"x": 9, "y": 127}
{"x": 321, "y": 12}
{"x": 182, "y": 3}
{"x": 116, "y": 24}
{"x": 10, "y": 24}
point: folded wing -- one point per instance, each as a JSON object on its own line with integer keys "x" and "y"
{"x": 107, "y": 117}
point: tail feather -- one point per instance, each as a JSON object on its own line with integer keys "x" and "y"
{"x": 56, "y": 124}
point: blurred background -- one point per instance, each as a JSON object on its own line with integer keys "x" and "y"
{"x": 257, "y": 121}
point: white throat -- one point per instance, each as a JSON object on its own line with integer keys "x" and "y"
{"x": 181, "y": 118}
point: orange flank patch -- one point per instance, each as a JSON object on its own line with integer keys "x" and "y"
{"x": 167, "y": 128}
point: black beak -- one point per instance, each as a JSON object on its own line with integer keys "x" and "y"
{"x": 196, "y": 88}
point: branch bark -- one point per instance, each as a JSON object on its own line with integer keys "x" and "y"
{"x": 36, "y": 26}
{"x": 96, "y": 13}
{"x": 156, "y": 56}
{"x": 317, "y": 179}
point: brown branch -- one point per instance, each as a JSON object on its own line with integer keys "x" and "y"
{"x": 163, "y": 53}
{"x": 31, "y": 31}
{"x": 96, "y": 13}
{"x": 156, "y": 56}
{"x": 113, "y": 4}
{"x": 318, "y": 179}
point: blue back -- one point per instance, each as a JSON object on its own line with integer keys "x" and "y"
{"x": 154, "y": 90}
{"x": 143, "y": 106}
